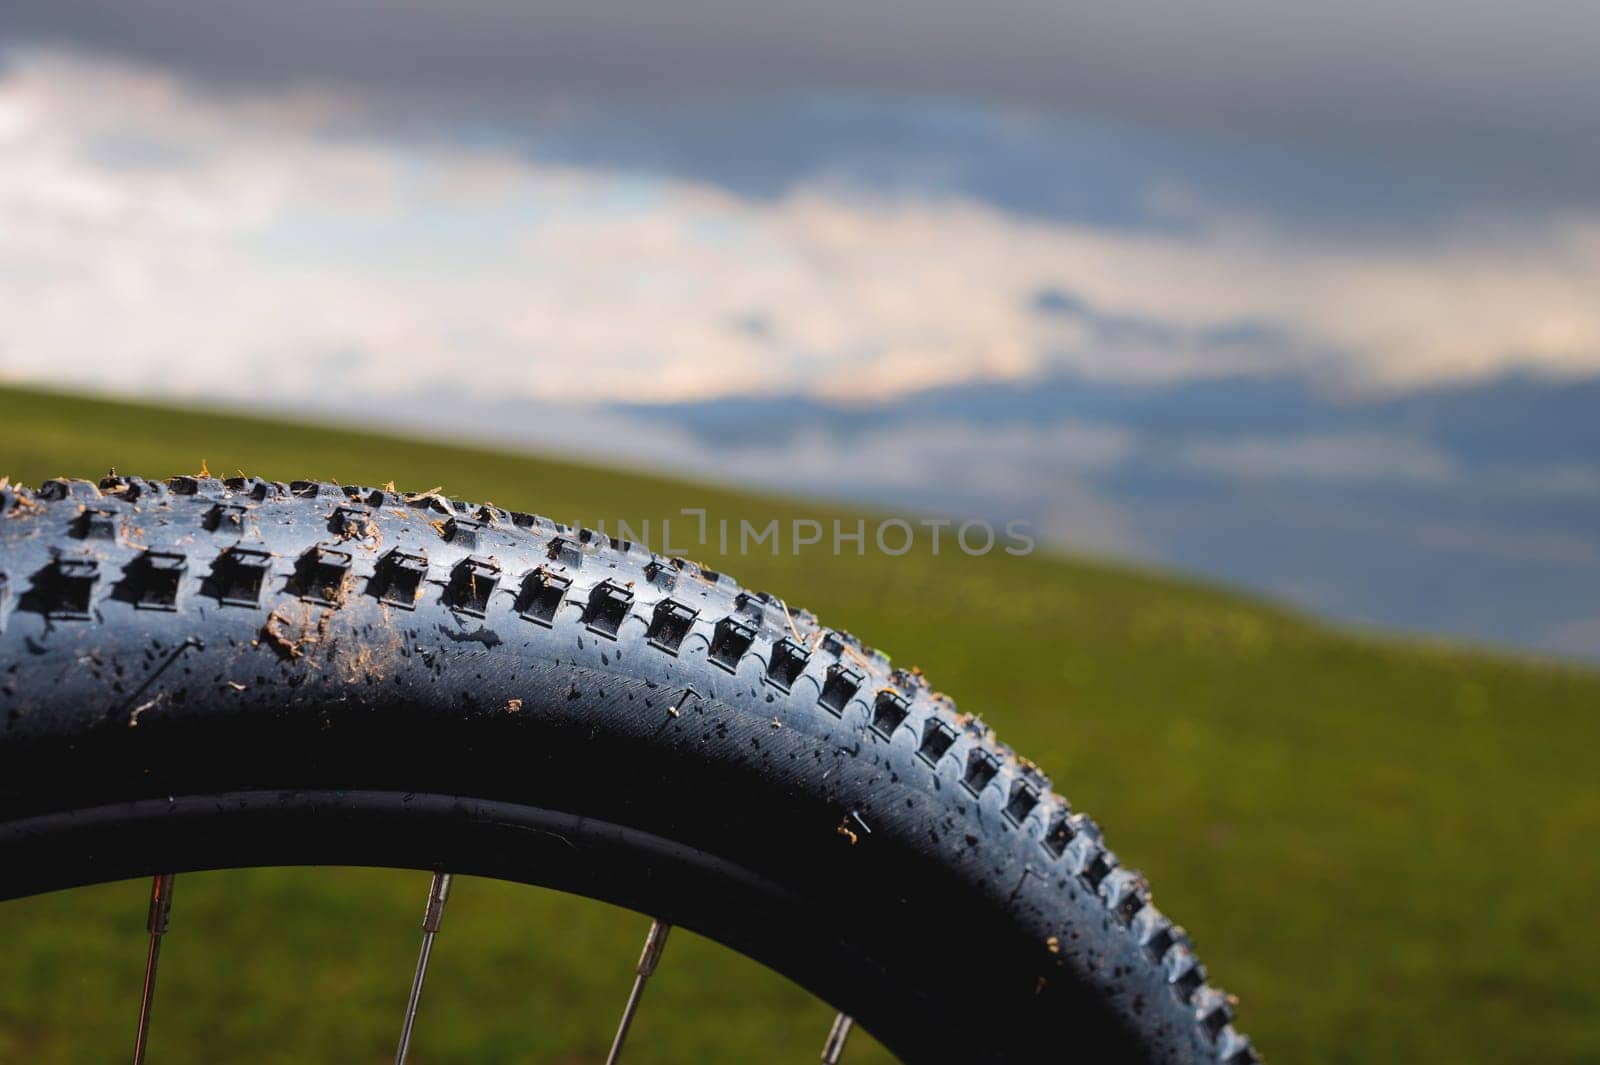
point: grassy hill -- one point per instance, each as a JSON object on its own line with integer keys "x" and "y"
{"x": 1386, "y": 848}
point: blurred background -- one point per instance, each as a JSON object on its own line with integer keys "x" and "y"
{"x": 1298, "y": 302}
{"x": 1304, "y": 300}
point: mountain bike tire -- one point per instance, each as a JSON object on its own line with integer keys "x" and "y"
{"x": 201, "y": 674}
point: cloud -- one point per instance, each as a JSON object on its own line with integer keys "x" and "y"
{"x": 1579, "y": 638}
{"x": 946, "y": 467}
{"x": 154, "y": 236}
{"x": 1350, "y": 457}
{"x": 1044, "y": 475}
{"x": 1501, "y": 93}
{"x": 1574, "y": 549}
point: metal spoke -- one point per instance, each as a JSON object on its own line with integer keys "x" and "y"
{"x": 833, "y": 1049}
{"x": 438, "y": 895}
{"x": 156, "y": 922}
{"x": 654, "y": 943}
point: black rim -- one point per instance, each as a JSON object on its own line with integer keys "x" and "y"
{"x": 567, "y": 852}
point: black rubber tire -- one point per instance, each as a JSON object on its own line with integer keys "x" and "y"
{"x": 204, "y": 674}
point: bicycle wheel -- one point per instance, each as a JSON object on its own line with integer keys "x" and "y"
{"x": 201, "y": 674}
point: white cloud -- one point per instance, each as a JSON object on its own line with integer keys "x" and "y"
{"x": 154, "y": 237}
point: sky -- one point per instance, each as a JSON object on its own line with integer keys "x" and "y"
{"x": 1033, "y": 242}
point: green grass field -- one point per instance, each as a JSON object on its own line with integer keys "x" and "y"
{"x": 1386, "y": 848}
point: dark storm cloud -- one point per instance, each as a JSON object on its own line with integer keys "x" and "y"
{"x": 1501, "y": 94}
{"x": 1066, "y": 169}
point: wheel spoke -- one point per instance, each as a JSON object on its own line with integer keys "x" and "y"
{"x": 438, "y": 895}
{"x": 654, "y": 943}
{"x": 160, "y": 913}
{"x": 833, "y": 1049}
